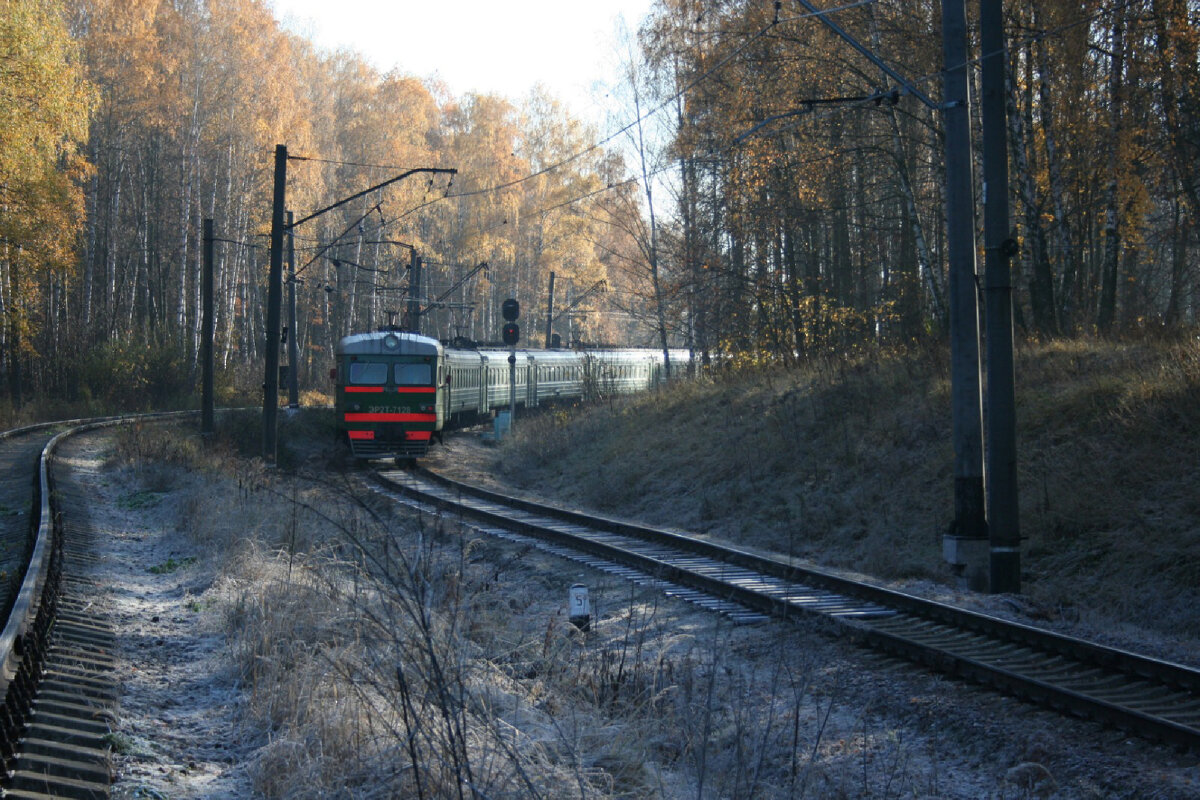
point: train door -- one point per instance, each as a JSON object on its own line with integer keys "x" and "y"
{"x": 442, "y": 393}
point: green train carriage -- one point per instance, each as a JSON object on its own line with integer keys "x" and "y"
{"x": 397, "y": 391}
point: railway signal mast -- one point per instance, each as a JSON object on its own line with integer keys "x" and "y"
{"x": 511, "y": 310}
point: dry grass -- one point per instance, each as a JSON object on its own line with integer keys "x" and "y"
{"x": 379, "y": 655}
{"x": 851, "y": 465}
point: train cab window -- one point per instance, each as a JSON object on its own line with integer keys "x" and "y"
{"x": 364, "y": 373}
{"x": 414, "y": 374}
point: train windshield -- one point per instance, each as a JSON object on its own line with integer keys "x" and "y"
{"x": 414, "y": 375}
{"x": 365, "y": 373}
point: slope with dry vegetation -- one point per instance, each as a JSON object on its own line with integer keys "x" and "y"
{"x": 849, "y": 465}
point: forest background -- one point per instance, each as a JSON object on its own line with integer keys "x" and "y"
{"x": 773, "y": 197}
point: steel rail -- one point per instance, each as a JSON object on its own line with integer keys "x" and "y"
{"x": 1009, "y": 656}
{"x": 29, "y": 596}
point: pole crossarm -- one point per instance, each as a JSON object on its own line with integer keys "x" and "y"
{"x": 600, "y": 285}
{"x": 333, "y": 242}
{"x": 389, "y": 241}
{"x": 376, "y": 187}
{"x": 908, "y": 85}
{"x": 437, "y": 301}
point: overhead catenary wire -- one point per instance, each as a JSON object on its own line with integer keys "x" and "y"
{"x": 807, "y": 110}
{"x": 807, "y": 106}
{"x": 577, "y": 155}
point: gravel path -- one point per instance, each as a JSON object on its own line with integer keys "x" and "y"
{"x": 173, "y": 737}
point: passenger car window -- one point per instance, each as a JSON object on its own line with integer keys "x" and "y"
{"x": 364, "y": 373}
{"x": 414, "y": 375}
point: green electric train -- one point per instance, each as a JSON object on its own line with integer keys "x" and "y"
{"x": 396, "y": 392}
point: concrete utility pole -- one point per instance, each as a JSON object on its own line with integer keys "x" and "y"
{"x": 274, "y": 300}
{"x": 981, "y": 514}
{"x": 965, "y": 545}
{"x": 206, "y": 333}
{"x": 999, "y": 248}
{"x": 414, "y": 293}
{"x": 292, "y": 345}
{"x": 550, "y": 312}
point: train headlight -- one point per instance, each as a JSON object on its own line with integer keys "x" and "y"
{"x": 355, "y": 407}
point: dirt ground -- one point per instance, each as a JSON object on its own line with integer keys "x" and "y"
{"x": 770, "y": 710}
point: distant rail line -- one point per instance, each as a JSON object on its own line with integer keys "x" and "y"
{"x": 1147, "y": 696}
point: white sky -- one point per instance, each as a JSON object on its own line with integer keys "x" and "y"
{"x": 479, "y": 45}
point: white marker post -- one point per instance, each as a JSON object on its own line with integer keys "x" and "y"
{"x": 579, "y": 609}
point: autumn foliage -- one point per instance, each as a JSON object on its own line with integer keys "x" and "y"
{"x": 165, "y": 114}
{"x": 804, "y": 171}
{"x": 779, "y": 196}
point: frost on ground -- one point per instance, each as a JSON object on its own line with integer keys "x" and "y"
{"x": 259, "y": 655}
{"x": 176, "y": 732}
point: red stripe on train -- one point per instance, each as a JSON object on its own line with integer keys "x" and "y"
{"x": 391, "y": 417}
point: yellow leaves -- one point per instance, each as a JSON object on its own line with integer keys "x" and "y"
{"x": 126, "y": 59}
{"x": 44, "y": 106}
{"x": 44, "y": 101}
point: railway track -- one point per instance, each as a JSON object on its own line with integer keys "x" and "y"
{"x": 1150, "y": 697}
{"x": 55, "y": 655}
{"x": 55, "y": 652}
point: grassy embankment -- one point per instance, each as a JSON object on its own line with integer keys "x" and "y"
{"x": 373, "y": 650}
{"x": 851, "y": 466}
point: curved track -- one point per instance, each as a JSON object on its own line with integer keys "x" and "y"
{"x": 20, "y": 451}
{"x": 55, "y": 654}
{"x": 1154, "y": 698}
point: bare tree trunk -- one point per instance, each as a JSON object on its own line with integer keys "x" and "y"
{"x": 1062, "y": 228}
{"x": 112, "y": 242}
{"x": 90, "y": 238}
{"x": 1041, "y": 276}
{"x": 904, "y": 177}
{"x": 1106, "y": 313}
{"x": 190, "y": 169}
{"x": 924, "y": 261}
{"x": 1179, "y": 246}
{"x": 651, "y": 247}
{"x": 13, "y": 349}
{"x": 352, "y": 272}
